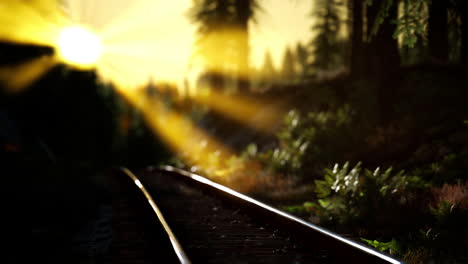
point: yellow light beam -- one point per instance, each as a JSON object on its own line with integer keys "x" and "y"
{"x": 30, "y": 22}
{"x": 139, "y": 14}
{"x": 181, "y": 135}
{"x": 16, "y": 78}
{"x": 259, "y": 115}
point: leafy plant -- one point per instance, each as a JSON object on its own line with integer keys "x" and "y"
{"x": 316, "y": 138}
{"x": 346, "y": 194}
{"x": 447, "y": 228}
{"x": 393, "y": 247}
{"x": 412, "y": 24}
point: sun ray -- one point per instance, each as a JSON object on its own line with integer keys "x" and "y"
{"x": 133, "y": 52}
{"x": 257, "y": 113}
{"x": 16, "y": 78}
{"x": 142, "y": 13}
{"x": 30, "y": 22}
{"x": 180, "y": 133}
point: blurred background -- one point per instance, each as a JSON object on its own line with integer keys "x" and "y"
{"x": 351, "y": 114}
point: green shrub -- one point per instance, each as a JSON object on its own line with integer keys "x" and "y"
{"x": 307, "y": 144}
{"x": 393, "y": 247}
{"x": 347, "y": 195}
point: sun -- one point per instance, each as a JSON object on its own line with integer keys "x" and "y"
{"x": 79, "y": 46}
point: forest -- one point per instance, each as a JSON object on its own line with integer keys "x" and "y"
{"x": 362, "y": 130}
{"x": 373, "y": 140}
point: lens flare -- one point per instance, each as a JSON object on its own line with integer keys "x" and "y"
{"x": 79, "y": 46}
{"x": 137, "y": 50}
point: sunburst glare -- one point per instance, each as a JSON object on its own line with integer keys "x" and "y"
{"x": 129, "y": 43}
{"x": 78, "y": 45}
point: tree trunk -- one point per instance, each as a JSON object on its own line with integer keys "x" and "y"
{"x": 357, "y": 68}
{"x": 438, "y": 30}
{"x": 244, "y": 9}
{"x": 383, "y": 61}
{"x": 464, "y": 31}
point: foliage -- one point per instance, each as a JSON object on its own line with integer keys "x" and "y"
{"x": 296, "y": 209}
{"x": 328, "y": 53}
{"x": 268, "y": 72}
{"x": 349, "y": 194}
{"x": 308, "y": 140}
{"x": 288, "y": 157}
{"x": 412, "y": 24}
{"x": 441, "y": 163}
{"x": 392, "y": 247}
{"x": 448, "y": 227}
{"x": 288, "y": 70}
{"x": 383, "y": 13}
{"x": 223, "y": 24}
{"x": 303, "y": 63}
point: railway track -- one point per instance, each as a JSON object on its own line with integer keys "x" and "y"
{"x": 172, "y": 216}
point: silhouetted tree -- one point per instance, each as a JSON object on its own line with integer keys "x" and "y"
{"x": 357, "y": 68}
{"x": 268, "y": 71}
{"x": 461, "y": 6}
{"x": 244, "y": 12}
{"x": 288, "y": 69}
{"x": 382, "y": 54}
{"x": 412, "y": 28}
{"x": 210, "y": 15}
{"x": 438, "y": 30}
{"x": 223, "y": 35}
{"x": 303, "y": 56}
{"x": 326, "y": 43}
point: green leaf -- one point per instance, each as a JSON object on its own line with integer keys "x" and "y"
{"x": 393, "y": 247}
{"x": 324, "y": 203}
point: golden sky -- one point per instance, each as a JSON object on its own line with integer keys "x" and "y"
{"x": 161, "y": 37}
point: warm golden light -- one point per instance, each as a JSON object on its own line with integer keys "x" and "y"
{"x": 192, "y": 143}
{"x": 16, "y": 78}
{"x": 79, "y": 46}
{"x": 30, "y": 22}
{"x": 138, "y": 50}
{"x": 258, "y": 114}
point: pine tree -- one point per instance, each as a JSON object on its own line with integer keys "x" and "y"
{"x": 223, "y": 42}
{"x": 357, "y": 45}
{"x": 288, "y": 70}
{"x": 326, "y": 43}
{"x": 210, "y": 15}
{"x": 461, "y": 7}
{"x": 302, "y": 55}
{"x": 382, "y": 55}
{"x": 438, "y": 30}
{"x": 268, "y": 71}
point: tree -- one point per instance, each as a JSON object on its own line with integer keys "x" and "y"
{"x": 357, "y": 68}
{"x": 438, "y": 30}
{"x": 268, "y": 71}
{"x": 223, "y": 42}
{"x": 244, "y": 12}
{"x": 302, "y": 55}
{"x": 288, "y": 70}
{"x": 412, "y": 29}
{"x": 326, "y": 42}
{"x": 462, "y": 7}
{"x": 383, "y": 58}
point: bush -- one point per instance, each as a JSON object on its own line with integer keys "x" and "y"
{"x": 350, "y": 195}
{"x": 307, "y": 144}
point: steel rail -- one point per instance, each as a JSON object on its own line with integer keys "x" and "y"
{"x": 174, "y": 242}
{"x": 344, "y": 243}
